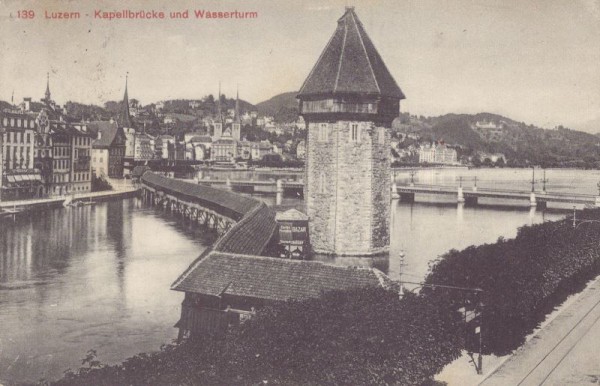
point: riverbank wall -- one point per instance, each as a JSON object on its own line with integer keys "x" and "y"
{"x": 10, "y": 208}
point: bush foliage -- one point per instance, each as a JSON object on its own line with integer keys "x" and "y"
{"x": 523, "y": 278}
{"x": 367, "y": 336}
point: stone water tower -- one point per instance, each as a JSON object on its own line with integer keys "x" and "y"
{"x": 349, "y": 101}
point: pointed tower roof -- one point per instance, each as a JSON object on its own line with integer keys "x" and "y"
{"x": 219, "y": 117}
{"x": 237, "y": 106}
{"x": 125, "y": 118}
{"x": 350, "y": 64}
{"x": 47, "y": 86}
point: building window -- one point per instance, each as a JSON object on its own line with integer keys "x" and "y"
{"x": 354, "y": 132}
{"x": 382, "y": 135}
{"x": 323, "y": 132}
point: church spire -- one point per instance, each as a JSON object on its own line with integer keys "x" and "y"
{"x": 48, "y": 87}
{"x": 237, "y": 104}
{"x": 219, "y": 117}
{"x": 125, "y": 118}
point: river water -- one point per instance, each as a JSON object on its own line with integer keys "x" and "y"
{"x": 98, "y": 277}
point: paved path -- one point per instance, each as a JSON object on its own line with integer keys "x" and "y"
{"x": 565, "y": 352}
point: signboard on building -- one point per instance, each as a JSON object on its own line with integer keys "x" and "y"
{"x": 293, "y": 233}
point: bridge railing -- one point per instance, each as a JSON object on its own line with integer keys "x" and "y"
{"x": 496, "y": 190}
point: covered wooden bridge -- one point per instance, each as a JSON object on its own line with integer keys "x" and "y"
{"x": 215, "y": 208}
{"x": 227, "y": 282}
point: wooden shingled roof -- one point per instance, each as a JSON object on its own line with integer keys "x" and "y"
{"x": 251, "y": 234}
{"x": 350, "y": 64}
{"x": 272, "y": 279}
{"x": 221, "y": 201}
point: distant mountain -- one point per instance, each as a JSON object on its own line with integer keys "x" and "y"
{"x": 521, "y": 143}
{"x": 282, "y": 107}
{"x": 456, "y": 129}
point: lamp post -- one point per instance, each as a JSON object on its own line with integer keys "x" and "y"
{"x": 1, "y": 163}
{"x": 532, "y": 179}
{"x": 544, "y": 180}
{"x": 472, "y": 312}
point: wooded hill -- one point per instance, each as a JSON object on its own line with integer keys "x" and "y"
{"x": 521, "y": 143}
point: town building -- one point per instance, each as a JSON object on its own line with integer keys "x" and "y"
{"x": 437, "y": 154}
{"x": 108, "y": 150}
{"x": 226, "y": 138}
{"x": 224, "y": 150}
{"x": 161, "y": 146}
{"x": 129, "y": 142}
{"x": 176, "y": 150}
{"x": 245, "y": 149}
{"x": 349, "y": 101}
{"x": 62, "y": 148}
{"x": 43, "y": 150}
{"x": 20, "y": 179}
{"x": 144, "y": 147}
{"x": 199, "y": 146}
{"x": 81, "y": 165}
{"x": 260, "y": 149}
{"x": 493, "y": 157}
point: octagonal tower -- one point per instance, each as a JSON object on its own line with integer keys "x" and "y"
{"x": 349, "y": 101}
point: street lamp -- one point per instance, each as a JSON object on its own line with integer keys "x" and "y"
{"x": 544, "y": 180}
{"x": 1, "y": 163}
{"x": 532, "y": 179}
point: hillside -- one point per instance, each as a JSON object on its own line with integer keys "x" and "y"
{"x": 521, "y": 143}
{"x": 204, "y": 106}
{"x": 282, "y": 107}
{"x": 456, "y": 129}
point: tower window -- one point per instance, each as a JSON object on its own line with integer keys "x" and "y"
{"x": 321, "y": 185}
{"x": 323, "y": 132}
{"x": 382, "y": 135}
{"x": 354, "y": 132}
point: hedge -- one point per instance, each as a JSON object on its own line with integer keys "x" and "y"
{"x": 367, "y": 336}
{"x": 523, "y": 278}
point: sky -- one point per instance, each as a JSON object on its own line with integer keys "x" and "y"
{"x": 536, "y": 61}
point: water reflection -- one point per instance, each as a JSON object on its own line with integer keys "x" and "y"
{"x": 422, "y": 232}
{"x": 92, "y": 277}
{"x": 98, "y": 276}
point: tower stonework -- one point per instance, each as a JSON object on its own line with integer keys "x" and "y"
{"x": 349, "y": 101}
